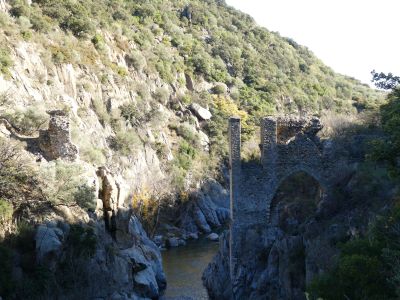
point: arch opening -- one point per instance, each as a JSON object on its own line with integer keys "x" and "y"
{"x": 295, "y": 200}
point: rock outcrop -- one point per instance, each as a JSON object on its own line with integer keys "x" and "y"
{"x": 130, "y": 270}
{"x": 202, "y": 113}
{"x": 206, "y": 209}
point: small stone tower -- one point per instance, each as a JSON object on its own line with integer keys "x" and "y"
{"x": 55, "y": 142}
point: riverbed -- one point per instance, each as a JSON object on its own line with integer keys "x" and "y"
{"x": 184, "y": 266}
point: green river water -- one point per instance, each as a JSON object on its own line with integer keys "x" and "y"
{"x": 184, "y": 267}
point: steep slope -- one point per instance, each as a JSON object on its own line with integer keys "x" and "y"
{"x": 125, "y": 59}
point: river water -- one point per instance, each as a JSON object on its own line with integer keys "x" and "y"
{"x": 184, "y": 266}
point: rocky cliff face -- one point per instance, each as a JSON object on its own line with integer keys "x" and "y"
{"x": 128, "y": 268}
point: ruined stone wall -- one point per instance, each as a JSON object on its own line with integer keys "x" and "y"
{"x": 55, "y": 142}
{"x": 288, "y": 145}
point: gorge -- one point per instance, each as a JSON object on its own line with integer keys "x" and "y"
{"x": 121, "y": 167}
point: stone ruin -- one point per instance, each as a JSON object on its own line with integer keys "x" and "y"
{"x": 288, "y": 145}
{"x": 55, "y": 142}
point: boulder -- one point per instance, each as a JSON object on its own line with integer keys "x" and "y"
{"x": 172, "y": 242}
{"x": 159, "y": 240}
{"x": 200, "y": 220}
{"x": 193, "y": 236}
{"x": 217, "y": 193}
{"x": 48, "y": 244}
{"x": 208, "y": 208}
{"x": 204, "y": 141}
{"x": 200, "y": 112}
{"x": 146, "y": 284}
{"x": 213, "y": 237}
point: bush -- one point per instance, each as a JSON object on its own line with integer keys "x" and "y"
{"x": 188, "y": 133}
{"x": 136, "y": 60}
{"x": 30, "y": 120}
{"x": 15, "y": 171}
{"x": 6, "y": 211}
{"x": 387, "y": 149}
{"x": 61, "y": 181}
{"x": 185, "y": 156}
{"x": 101, "y": 111}
{"x": 125, "y": 142}
{"x": 98, "y": 41}
{"x": 5, "y": 61}
{"x": 61, "y": 54}
{"x": 161, "y": 95}
{"x": 219, "y": 89}
{"x": 130, "y": 113}
{"x": 85, "y": 197}
{"x": 146, "y": 207}
{"x": 92, "y": 154}
{"x": 365, "y": 270}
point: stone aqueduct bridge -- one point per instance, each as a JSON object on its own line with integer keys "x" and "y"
{"x": 288, "y": 146}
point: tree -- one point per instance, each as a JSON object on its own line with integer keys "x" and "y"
{"x": 385, "y": 81}
{"x": 387, "y": 150}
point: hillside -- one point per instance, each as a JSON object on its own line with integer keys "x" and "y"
{"x": 110, "y": 107}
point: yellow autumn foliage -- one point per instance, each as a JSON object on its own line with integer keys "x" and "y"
{"x": 227, "y": 107}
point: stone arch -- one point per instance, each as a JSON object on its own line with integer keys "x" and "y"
{"x": 316, "y": 190}
{"x": 301, "y": 169}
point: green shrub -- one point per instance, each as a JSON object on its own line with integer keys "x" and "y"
{"x": 61, "y": 54}
{"x": 185, "y": 156}
{"x": 365, "y": 270}
{"x": 387, "y": 149}
{"x": 125, "y": 142}
{"x": 161, "y": 95}
{"x": 40, "y": 22}
{"x": 6, "y": 211}
{"x": 98, "y": 41}
{"x": 92, "y": 154}
{"x": 219, "y": 89}
{"x": 5, "y": 61}
{"x": 85, "y": 197}
{"x": 101, "y": 111}
{"x": 15, "y": 171}
{"x": 136, "y": 60}
{"x": 130, "y": 113}
{"x": 187, "y": 132}
{"x": 61, "y": 181}
{"x": 30, "y": 120}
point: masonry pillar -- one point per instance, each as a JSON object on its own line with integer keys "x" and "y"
{"x": 269, "y": 156}
{"x": 234, "y": 162}
{"x": 268, "y": 137}
{"x": 235, "y": 174}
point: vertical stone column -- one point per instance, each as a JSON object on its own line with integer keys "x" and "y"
{"x": 235, "y": 174}
{"x": 268, "y": 142}
{"x": 234, "y": 162}
{"x": 269, "y": 156}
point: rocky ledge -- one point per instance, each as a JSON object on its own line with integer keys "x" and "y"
{"x": 105, "y": 268}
